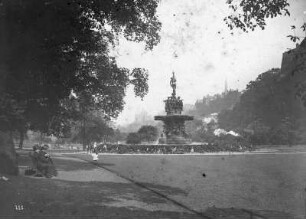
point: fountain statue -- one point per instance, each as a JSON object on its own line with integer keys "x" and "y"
{"x": 174, "y": 121}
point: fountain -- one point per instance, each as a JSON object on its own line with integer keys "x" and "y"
{"x": 174, "y": 121}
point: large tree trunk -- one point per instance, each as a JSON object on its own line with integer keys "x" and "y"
{"x": 8, "y": 159}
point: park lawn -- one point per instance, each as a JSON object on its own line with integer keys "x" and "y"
{"x": 34, "y": 197}
{"x": 272, "y": 185}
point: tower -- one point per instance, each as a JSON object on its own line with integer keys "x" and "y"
{"x": 225, "y": 87}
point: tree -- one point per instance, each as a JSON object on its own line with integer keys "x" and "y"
{"x": 63, "y": 46}
{"x": 133, "y": 138}
{"x": 249, "y": 15}
{"x": 216, "y": 103}
{"x": 118, "y": 136}
{"x": 285, "y": 133}
{"x": 205, "y": 133}
{"x": 95, "y": 129}
{"x": 268, "y": 109}
{"x": 52, "y": 49}
{"x": 148, "y": 133}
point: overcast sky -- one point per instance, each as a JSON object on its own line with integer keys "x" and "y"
{"x": 198, "y": 47}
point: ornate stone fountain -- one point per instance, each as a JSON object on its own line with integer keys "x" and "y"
{"x": 174, "y": 121}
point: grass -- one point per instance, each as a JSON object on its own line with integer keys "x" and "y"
{"x": 223, "y": 186}
{"x": 269, "y": 184}
{"x": 80, "y": 197}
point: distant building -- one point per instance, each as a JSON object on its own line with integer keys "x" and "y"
{"x": 294, "y": 59}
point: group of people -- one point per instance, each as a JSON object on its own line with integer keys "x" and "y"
{"x": 42, "y": 164}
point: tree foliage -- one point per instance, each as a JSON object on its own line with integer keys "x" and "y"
{"x": 268, "y": 110}
{"x": 50, "y": 49}
{"x": 203, "y": 132}
{"x": 133, "y": 138}
{"x": 208, "y": 105}
{"x": 148, "y": 133}
{"x": 216, "y": 103}
{"x": 249, "y": 14}
{"x": 92, "y": 128}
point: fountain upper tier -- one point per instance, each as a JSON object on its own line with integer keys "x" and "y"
{"x": 173, "y": 108}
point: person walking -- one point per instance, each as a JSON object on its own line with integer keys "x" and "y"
{"x": 95, "y": 152}
{"x": 95, "y": 157}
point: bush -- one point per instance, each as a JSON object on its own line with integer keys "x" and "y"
{"x": 218, "y": 146}
{"x": 133, "y": 138}
{"x": 148, "y": 133}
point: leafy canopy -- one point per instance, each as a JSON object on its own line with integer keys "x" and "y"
{"x": 269, "y": 108}
{"x": 250, "y": 14}
{"x": 148, "y": 133}
{"x": 51, "y": 49}
{"x": 133, "y": 138}
{"x": 92, "y": 129}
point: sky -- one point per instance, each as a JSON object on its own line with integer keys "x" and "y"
{"x": 197, "y": 45}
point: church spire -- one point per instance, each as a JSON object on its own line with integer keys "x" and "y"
{"x": 225, "y": 87}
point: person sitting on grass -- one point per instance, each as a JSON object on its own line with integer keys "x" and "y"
{"x": 42, "y": 162}
{"x": 46, "y": 164}
{"x": 34, "y": 157}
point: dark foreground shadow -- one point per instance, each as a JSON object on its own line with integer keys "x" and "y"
{"x": 53, "y": 198}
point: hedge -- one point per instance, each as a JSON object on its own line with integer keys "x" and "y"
{"x": 171, "y": 149}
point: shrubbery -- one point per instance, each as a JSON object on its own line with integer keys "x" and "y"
{"x": 272, "y": 137}
{"x": 218, "y": 146}
{"x": 133, "y": 138}
{"x": 146, "y": 133}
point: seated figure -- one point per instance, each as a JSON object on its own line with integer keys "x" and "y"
{"x": 42, "y": 162}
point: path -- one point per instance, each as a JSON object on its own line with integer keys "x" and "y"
{"x": 83, "y": 190}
